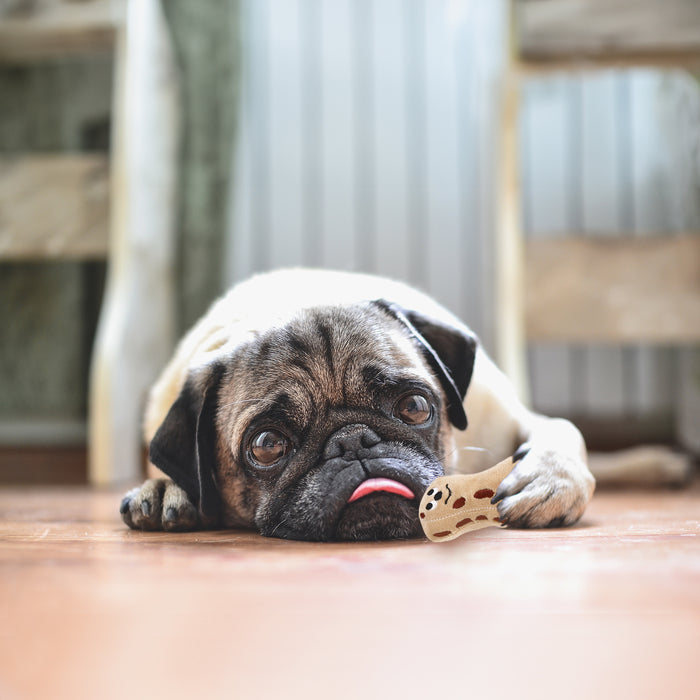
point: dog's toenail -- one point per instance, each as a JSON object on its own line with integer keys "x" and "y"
{"x": 146, "y": 509}
{"x": 171, "y": 514}
{"x": 126, "y": 502}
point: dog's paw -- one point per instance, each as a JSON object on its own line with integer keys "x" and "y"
{"x": 546, "y": 489}
{"x": 159, "y": 504}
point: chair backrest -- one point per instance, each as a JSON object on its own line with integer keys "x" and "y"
{"x": 55, "y": 206}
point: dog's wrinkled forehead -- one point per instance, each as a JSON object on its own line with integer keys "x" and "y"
{"x": 328, "y": 356}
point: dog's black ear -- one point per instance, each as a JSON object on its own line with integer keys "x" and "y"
{"x": 450, "y": 351}
{"x": 184, "y": 446}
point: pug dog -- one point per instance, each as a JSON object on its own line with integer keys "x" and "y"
{"x": 317, "y": 405}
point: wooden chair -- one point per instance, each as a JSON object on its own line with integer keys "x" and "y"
{"x": 546, "y": 290}
{"x": 119, "y": 208}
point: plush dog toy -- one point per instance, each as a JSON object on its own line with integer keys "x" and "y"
{"x": 457, "y": 504}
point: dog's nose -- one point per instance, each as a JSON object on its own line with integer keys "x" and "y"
{"x": 348, "y": 441}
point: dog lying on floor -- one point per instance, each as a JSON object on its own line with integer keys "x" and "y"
{"x": 320, "y": 405}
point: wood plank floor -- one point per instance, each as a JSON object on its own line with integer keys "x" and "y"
{"x": 609, "y": 609}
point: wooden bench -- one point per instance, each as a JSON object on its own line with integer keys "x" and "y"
{"x": 574, "y": 289}
{"x": 121, "y": 208}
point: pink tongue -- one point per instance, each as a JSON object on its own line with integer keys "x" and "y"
{"x": 389, "y": 485}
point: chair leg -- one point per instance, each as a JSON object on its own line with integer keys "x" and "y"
{"x": 511, "y": 344}
{"x": 688, "y": 402}
{"x": 136, "y": 329}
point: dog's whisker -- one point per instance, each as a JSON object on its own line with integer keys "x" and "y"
{"x": 475, "y": 449}
{"x": 470, "y": 448}
{"x": 279, "y": 524}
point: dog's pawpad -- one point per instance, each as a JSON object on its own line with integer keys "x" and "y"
{"x": 158, "y": 504}
{"x": 548, "y": 489}
{"x": 455, "y": 505}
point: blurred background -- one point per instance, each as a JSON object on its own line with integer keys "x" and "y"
{"x": 352, "y": 134}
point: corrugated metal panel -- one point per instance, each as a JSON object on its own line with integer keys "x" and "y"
{"x": 368, "y": 142}
{"x": 598, "y": 159}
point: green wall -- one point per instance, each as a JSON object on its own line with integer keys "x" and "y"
{"x": 49, "y": 310}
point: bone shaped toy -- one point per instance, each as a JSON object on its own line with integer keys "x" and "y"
{"x": 454, "y": 505}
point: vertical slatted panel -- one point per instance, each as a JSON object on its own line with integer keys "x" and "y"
{"x": 651, "y": 177}
{"x": 63, "y": 105}
{"x": 415, "y": 78}
{"x": 338, "y": 110}
{"x": 468, "y": 76}
{"x": 582, "y": 153}
{"x": 603, "y": 168}
{"x": 486, "y": 24}
{"x": 311, "y": 129}
{"x": 547, "y": 174}
{"x": 442, "y": 160}
{"x": 367, "y": 141}
{"x": 285, "y": 137}
{"x": 363, "y": 50}
{"x": 678, "y": 109}
{"x": 390, "y": 138}
{"x": 598, "y": 161}
{"x": 255, "y": 182}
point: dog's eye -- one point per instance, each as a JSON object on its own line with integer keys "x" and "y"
{"x": 268, "y": 448}
{"x": 413, "y": 409}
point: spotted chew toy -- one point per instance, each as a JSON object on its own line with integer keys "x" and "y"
{"x": 454, "y": 505}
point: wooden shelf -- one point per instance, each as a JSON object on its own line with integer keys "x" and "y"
{"x": 51, "y": 28}
{"x": 623, "y": 290}
{"x": 577, "y": 33}
{"x": 54, "y": 206}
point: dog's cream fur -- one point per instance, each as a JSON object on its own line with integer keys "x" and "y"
{"x": 552, "y": 483}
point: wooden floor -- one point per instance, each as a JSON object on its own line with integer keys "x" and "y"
{"x": 609, "y": 609}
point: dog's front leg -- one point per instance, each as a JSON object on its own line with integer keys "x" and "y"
{"x": 159, "y": 504}
{"x": 552, "y": 484}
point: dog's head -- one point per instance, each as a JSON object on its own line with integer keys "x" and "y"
{"x": 328, "y": 428}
